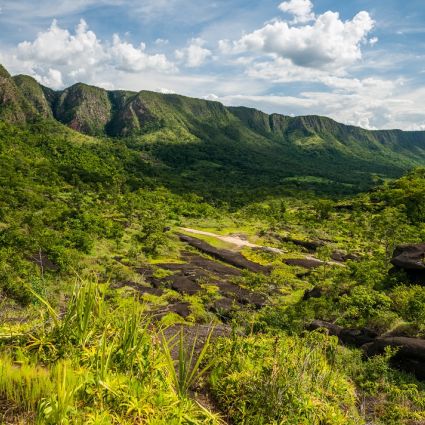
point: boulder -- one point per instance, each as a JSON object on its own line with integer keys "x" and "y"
{"x": 409, "y": 257}
{"x": 354, "y": 337}
{"x": 315, "y": 292}
{"x": 342, "y": 257}
{"x": 332, "y": 329}
{"x": 410, "y": 356}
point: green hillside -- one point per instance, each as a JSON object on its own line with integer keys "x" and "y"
{"x": 241, "y": 150}
{"x": 171, "y": 261}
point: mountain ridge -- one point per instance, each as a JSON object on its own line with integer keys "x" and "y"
{"x": 115, "y": 98}
{"x": 199, "y": 140}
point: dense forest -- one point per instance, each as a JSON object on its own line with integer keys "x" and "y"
{"x": 168, "y": 260}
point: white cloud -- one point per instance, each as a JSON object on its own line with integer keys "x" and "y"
{"x": 328, "y": 43}
{"x": 341, "y": 75}
{"x": 53, "y": 79}
{"x": 83, "y": 56}
{"x": 302, "y": 10}
{"x": 212, "y": 97}
{"x": 161, "y": 42}
{"x": 373, "y": 41}
{"x": 128, "y": 58}
{"x": 369, "y": 103}
{"x": 164, "y": 90}
{"x": 58, "y": 46}
{"x": 194, "y": 54}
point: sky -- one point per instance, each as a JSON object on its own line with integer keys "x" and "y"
{"x": 361, "y": 62}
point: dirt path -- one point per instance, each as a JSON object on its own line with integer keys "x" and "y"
{"x": 235, "y": 240}
{"x": 241, "y": 243}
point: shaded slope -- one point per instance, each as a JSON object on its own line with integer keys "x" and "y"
{"x": 14, "y": 107}
{"x": 227, "y": 153}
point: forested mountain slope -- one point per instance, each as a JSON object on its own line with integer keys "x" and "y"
{"x": 203, "y": 143}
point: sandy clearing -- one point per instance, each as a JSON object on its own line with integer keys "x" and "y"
{"x": 241, "y": 242}
{"x": 235, "y": 240}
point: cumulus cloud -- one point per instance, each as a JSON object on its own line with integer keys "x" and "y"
{"x": 302, "y": 10}
{"x": 161, "y": 42}
{"x": 164, "y": 90}
{"x": 59, "y": 46}
{"x": 195, "y": 54}
{"x": 373, "y": 41}
{"x": 128, "y": 58}
{"x": 57, "y": 56}
{"x": 53, "y": 78}
{"x": 326, "y": 43}
{"x": 370, "y": 102}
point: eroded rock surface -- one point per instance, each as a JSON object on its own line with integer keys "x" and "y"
{"x": 410, "y": 257}
{"x": 230, "y": 257}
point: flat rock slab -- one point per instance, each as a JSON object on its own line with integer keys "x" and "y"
{"x": 184, "y": 285}
{"x": 139, "y": 288}
{"x": 212, "y": 266}
{"x": 180, "y": 308}
{"x": 307, "y": 263}
{"x": 242, "y": 295}
{"x": 310, "y": 246}
{"x": 194, "y": 336}
{"x": 230, "y": 257}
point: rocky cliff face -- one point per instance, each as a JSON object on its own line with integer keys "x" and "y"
{"x": 33, "y": 94}
{"x": 176, "y": 119}
{"x": 14, "y": 107}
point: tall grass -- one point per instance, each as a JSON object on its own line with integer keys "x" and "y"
{"x": 24, "y": 384}
{"x": 189, "y": 367}
{"x": 98, "y": 364}
{"x": 84, "y": 309}
{"x": 56, "y": 409}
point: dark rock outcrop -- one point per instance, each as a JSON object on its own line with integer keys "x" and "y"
{"x": 184, "y": 285}
{"x": 354, "y": 337}
{"x": 410, "y": 356}
{"x": 332, "y": 329}
{"x": 410, "y": 258}
{"x": 224, "y": 308}
{"x": 316, "y": 292}
{"x": 139, "y": 288}
{"x": 310, "y": 246}
{"x": 342, "y": 257}
{"x": 230, "y": 257}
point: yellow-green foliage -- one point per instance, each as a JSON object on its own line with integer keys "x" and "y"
{"x": 283, "y": 380}
{"x": 23, "y": 383}
{"x": 100, "y": 364}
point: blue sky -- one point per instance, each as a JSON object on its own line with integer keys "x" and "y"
{"x": 359, "y": 62}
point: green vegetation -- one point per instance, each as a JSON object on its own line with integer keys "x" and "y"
{"x": 101, "y": 320}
